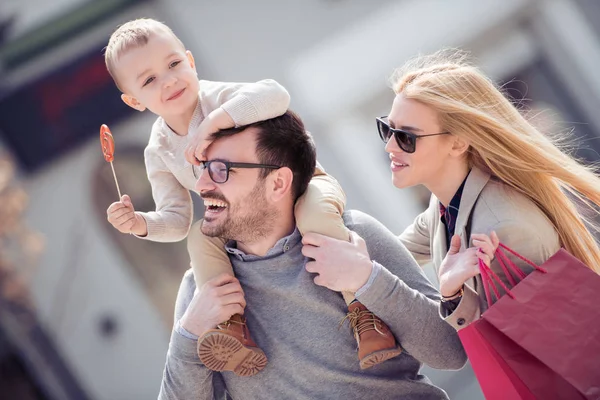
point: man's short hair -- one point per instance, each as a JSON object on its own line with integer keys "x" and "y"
{"x": 130, "y": 35}
{"x": 283, "y": 141}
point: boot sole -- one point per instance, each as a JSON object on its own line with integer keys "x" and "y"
{"x": 379, "y": 357}
{"x": 223, "y": 352}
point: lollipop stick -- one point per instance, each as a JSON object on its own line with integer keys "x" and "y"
{"x": 116, "y": 181}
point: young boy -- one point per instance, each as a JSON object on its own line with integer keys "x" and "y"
{"x": 152, "y": 68}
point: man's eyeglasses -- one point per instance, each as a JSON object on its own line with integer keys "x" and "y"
{"x": 219, "y": 170}
{"x": 407, "y": 141}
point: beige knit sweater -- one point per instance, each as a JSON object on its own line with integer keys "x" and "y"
{"x": 171, "y": 176}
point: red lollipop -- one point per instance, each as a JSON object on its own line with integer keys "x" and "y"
{"x": 108, "y": 150}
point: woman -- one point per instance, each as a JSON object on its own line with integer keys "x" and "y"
{"x": 491, "y": 173}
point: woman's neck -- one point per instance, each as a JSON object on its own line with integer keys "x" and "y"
{"x": 446, "y": 183}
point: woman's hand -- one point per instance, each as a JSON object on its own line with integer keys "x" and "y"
{"x": 339, "y": 265}
{"x": 459, "y": 266}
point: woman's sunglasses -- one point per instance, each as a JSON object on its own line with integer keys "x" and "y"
{"x": 407, "y": 141}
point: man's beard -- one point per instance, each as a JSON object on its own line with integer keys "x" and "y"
{"x": 247, "y": 221}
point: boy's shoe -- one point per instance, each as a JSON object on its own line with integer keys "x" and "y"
{"x": 376, "y": 343}
{"x": 230, "y": 348}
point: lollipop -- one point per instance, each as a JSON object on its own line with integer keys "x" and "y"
{"x": 108, "y": 150}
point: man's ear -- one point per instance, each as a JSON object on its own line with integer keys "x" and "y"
{"x": 132, "y": 102}
{"x": 191, "y": 59}
{"x": 459, "y": 146}
{"x": 281, "y": 184}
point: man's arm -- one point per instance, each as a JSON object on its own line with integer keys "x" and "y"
{"x": 184, "y": 377}
{"x": 403, "y": 297}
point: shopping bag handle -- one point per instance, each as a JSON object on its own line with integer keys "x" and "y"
{"x": 489, "y": 277}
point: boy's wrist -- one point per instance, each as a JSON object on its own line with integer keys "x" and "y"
{"x": 220, "y": 119}
{"x": 140, "y": 228}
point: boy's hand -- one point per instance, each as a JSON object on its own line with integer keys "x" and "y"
{"x": 214, "y": 122}
{"x": 123, "y": 217}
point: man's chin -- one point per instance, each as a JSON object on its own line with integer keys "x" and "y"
{"x": 210, "y": 228}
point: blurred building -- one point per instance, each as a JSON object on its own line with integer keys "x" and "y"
{"x": 105, "y": 299}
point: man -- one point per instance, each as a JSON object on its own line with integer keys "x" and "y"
{"x": 297, "y": 320}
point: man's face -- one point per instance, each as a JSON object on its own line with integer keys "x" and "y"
{"x": 160, "y": 76}
{"x": 239, "y": 208}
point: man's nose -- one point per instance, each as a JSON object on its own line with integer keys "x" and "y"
{"x": 204, "y": 183}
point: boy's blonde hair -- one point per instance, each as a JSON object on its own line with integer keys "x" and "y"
{"x": 130, "y": 35}
{"x": 504, "y": 143}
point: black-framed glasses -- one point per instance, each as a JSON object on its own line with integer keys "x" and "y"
{"x": 218, "y": 170}
{"x": 407, "y": 141}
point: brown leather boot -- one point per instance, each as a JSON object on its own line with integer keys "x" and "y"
{"x": 230, "y": 348}
{"x": 376, "y": 343}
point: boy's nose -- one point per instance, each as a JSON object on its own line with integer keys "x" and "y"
{"x": 170, "y": 80}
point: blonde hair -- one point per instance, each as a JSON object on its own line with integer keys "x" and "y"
{"x": 505, "y": 144}
{"x": 130, "y": 35}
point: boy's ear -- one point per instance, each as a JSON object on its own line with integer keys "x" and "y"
{"x": 132, "y": 102}
{"x": 190, "y": 59}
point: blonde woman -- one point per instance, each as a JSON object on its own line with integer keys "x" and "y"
{"x": 490, "y": 171}
{"x": 493, "y": 176}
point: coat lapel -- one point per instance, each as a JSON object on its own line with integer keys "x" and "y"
{"x": 475, "y": 183}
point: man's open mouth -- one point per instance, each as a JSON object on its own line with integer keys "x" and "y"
{"x": 214, "y": 206}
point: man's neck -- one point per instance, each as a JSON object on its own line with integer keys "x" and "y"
{"x": 284, "y": 227}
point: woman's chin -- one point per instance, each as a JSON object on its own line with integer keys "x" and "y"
{"x": 400, "y": 183}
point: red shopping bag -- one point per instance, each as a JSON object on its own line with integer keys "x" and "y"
{"x": 545, "y": 332}
{"x": 497, "y": 380}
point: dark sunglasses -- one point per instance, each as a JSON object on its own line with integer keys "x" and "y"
{"x": 219, "y": 170}
{"x": 407, "y": 141}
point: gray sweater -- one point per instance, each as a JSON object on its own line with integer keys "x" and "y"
{"x": 296, "y": 323}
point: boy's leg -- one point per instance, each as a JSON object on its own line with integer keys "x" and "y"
{"x": 228, "y": 347}
{"x": 320, "y": 210}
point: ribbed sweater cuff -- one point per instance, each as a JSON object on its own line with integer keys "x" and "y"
{"x": 155, "y": 226}
{"x": 183, "y": 348}
{"x": 241, "y": 110}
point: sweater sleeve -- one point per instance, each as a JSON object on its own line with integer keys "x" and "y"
{"x": 184, "y": 376}
{"x": 402, "y": 296}
{"x": 245, "y": 103}
{"x": 172, "y": 219}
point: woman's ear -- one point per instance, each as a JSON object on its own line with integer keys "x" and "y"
{"x": 132, "y": 102}
{"x": 459, "y": 146}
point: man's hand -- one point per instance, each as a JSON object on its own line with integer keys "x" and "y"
{"x": 123, "y": 217}
{"x": 215, "y": 302}
{"x": 214, "y": 122}
{"x": 460, "y": 266}
{"x": 340, "y": 265}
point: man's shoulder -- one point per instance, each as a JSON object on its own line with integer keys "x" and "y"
{"x": 363, "y": 223}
